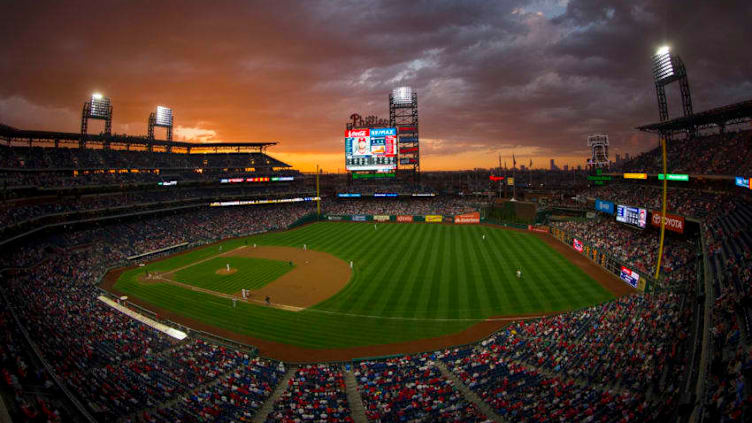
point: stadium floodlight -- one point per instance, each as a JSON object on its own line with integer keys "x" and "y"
{"x": 100, "y": 106}
{"x": 164, "y": 116}
{"x": 402, "y": 95}
{"x": 663, "y": 66}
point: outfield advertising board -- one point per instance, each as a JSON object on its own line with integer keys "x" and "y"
{"x": 254, "y": 202}
{"x": 358, "y": 218}
{"x": 541, "y": 229}
{"x": 673, "y": 223}
{"x": 604, "y": 206}
{"x": 629, "y": 276}
{"x": 577, "y": 245}
{"x": 434, "y": 218}
{"x": 404, "y": 219}
{"x": 381, "y": 218}
{"x": 473, "y": 217}
{"x": 334, "y": 218}
{"x": 743, "y": 182}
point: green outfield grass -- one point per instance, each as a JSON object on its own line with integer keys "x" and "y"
{"x": 410, "y": 281}
{"x": 252, "y": 273}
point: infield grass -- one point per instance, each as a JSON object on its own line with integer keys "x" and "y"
{"x": 410, "y": 281}
{"x": 250, "y": 273}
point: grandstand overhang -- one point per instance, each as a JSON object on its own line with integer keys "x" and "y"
{"x": 54, "y": 139}
{"x": 732, "y": 114}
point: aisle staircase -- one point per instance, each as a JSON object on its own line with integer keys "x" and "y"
{"x": 468, "y": 394}
{"x": 268, "y": 406}
{"x": 357, "y": 410}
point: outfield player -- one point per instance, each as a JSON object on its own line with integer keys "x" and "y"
{"x": 519, "y": 274}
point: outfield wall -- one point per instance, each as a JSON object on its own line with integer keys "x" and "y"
{"x": 605, "y": 260}
{"x": 466, "y": 218}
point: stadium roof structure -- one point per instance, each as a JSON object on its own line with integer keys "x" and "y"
{"x": 13, "y": 135}
{"x": 720, "y": 116}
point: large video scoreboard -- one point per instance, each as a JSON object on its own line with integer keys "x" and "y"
{"x": 371, "y": 149}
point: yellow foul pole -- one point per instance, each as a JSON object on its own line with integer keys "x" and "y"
{"x": 318, "y": 195}
{"x": 663, "y": 209}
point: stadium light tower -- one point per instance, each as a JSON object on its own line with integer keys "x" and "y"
{"x": 668, "y": 68}
{"x": 161, "y": 117}
{"x": 98, "y": 107}
{"x": 403, "y": 115}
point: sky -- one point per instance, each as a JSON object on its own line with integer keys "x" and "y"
{"x": 530, "y": 78}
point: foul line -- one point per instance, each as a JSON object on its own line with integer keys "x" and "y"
{"x": 169, "y": 272}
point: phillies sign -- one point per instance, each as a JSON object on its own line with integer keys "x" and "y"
{"x": 673, "y": 222}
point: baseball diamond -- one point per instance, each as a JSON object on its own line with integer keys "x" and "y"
{"x": 410, "y": 282}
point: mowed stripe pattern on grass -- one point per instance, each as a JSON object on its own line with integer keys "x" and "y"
{"x": 250, "y": 273}
{"x": 410, "y": 273}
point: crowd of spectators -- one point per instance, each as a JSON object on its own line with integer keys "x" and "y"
{"x": 703, "y": 205}
{"x": 435, "y": 205}
{"x": 411, "y": 388}
{"x": 40, "y": 158}
{"x": 17, "y": 211}
{"x": 730, "y": 373}
{"x": 115, "y": 364}
{"x": 717, "y": 154}
{"x": 636, "y": 248}
{"x": 35, "y": 396}
{"x": 725, "y": 222}
{"x": 316, "y": 393}
{"x": 236, "y": 397}
{"x": 595, "y": 364}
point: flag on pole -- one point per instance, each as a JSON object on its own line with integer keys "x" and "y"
{"x": 531, "y": 163}
{"x": 514, "y": 161}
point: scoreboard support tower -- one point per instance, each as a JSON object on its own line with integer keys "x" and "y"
{"x": 403, "y": 115}
{"x": 153, "y": 123}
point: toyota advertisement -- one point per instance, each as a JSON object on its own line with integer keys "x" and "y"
{"x": 371, "y": 149}
{"x": 672, "y": 222}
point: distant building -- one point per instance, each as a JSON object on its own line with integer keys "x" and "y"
{"x": 566, "y": 167}
{"x": 553, "y": 165}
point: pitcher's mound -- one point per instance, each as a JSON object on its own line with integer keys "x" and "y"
{"x": 224, "y": 271}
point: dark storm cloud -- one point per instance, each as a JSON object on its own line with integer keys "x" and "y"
{"x": 529, "y": 75}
